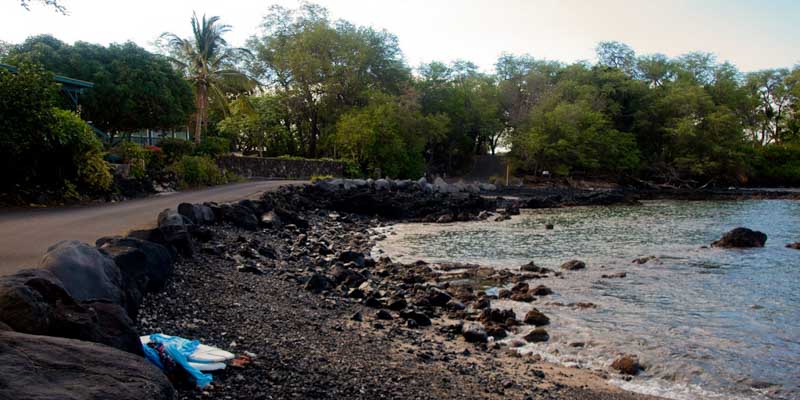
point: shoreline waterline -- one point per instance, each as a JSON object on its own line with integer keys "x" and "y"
{"x": 704, "y": 321}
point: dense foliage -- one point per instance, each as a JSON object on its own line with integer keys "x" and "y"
{"x": 194, "y": 171}
{"x": 133, "y": 89}
{"x": 41, "y": 144}
{"x": 310, "y": 86}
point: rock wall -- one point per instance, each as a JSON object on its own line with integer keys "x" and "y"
{"x": 259, "y": 167}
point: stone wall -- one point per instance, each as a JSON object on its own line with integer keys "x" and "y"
{"x": 259, "y": 167}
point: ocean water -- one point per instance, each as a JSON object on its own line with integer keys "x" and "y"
{"x": 707, "y": 323}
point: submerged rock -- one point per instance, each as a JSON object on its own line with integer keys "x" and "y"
{"x": 795, "y": 245}
{"x": 643, "y": 260}
{"x": 741, "y": 238}
{"x": 573, "y": 265}
{"x": 537, "y": 335}
{"x": 627, "y": 365}
{"x": 532, "y": 267}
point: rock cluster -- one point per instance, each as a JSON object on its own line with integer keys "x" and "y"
{"x": 741, "y": 238}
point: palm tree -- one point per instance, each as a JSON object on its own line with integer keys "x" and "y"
{"x": 207, "y": 62}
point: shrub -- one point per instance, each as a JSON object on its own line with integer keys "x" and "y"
{"x": 194, "y": 171}
{"x": 214, "y": 146}
{"x": 133, "y": 154}
{"x": 315, "y": 178}
{"x": 155, "y": 161}
{"x": 76, "y": 140}
{"x": 175, "y": 149}
{"x": 776, "y": 164}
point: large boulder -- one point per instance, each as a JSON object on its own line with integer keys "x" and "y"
{"x": 175, "y": 231}
{"x": 241, "y": 216}
{"x": 40, "y": 367}
{"x": 145, "y": 266}
{"x": 199, "y": 214}
{"x": 34, "y": 301}
{"x": 140, "y": 257}
{"x": 741, "y": 238}
{"x": 31, "y": 300}
{"x": 86, "y": 273}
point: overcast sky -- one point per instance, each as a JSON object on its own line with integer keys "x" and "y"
{"x": 749, "y": 33}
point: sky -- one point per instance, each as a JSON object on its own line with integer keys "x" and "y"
{"x": 751, "y": 34}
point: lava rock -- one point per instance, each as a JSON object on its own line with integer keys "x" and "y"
{"x": 156, "y": 266}
{"x": 521, "y": 287}
{"x": 536, "y": 318}
{"x": 531, "y": 267}
{"x": 541, "y": 290}
{"x": 474, "y": 333}
{"x": 199, "y": 214}
{"x": 537, "y": 335}
{"x": 85, "y": 273}
{"x": 174, "y": 229}
{"x": 495, "y": 315}
{"x": 34, "y": 301}
{"x": 40, "y": 367}
{"x": 383, "y": 315}
{"x": 627, "y": 365}
{"x": 353, "y": 257}
{"x": 437, "y": 297}
{"x": 418, "y": 317}
{"x": 241, "y": 216}
{"x": 573, "y": 265}
{"x": 397, "y": 304}
{"x": 741, "y": 238}
{"x": 319, "y": 283}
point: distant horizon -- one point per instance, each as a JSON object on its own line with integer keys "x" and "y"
{"x": 749, "y": 35}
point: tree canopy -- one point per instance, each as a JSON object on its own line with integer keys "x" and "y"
{"x": 133, "y": 88}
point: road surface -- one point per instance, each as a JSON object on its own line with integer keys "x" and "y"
{"x": 26, "y": 234}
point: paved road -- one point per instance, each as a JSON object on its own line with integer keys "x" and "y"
{"x": 26, "y": 234}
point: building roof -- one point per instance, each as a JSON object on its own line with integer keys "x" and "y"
{"x": 64, "y": 80}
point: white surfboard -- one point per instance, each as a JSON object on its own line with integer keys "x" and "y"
{"x": 204, "y": 354}
{"x": 207, "y": 367}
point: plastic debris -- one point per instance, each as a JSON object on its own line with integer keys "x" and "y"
{"x": 171, "y": 354}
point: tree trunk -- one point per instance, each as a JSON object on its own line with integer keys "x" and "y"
{"x": 200, "y": 116}
{"x": 312, "y": 143}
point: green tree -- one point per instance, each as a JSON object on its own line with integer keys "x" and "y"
{"x": 209, "y": 64}
{"x": 43, "y": 145}
{"x": 617, "y": 55}
{"x": 259, "y": 125}
{"x": 387, "y": 137}
{"x": 321, "y": 69}
{"x": 772, "y": 93}
{"x": 133, "y": 89}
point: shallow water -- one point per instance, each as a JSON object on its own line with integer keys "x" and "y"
{"x": 707, "y": 323}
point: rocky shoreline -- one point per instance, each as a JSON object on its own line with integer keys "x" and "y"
{"x": 288, "y": 280}
{"x": 322, "y": 319}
